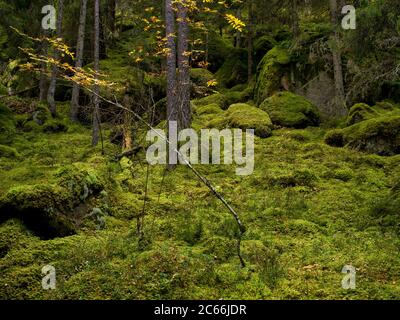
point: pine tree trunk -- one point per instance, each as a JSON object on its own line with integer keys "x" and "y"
{"x": 250, "y": 43}
{"x": 340, "y": 105}
{"x": 79, "y": 60}
{"x": 172, "y": 114}
{"x": 52, "y": 87}
{"x": 185, "y": 114}
{"x": 96, "y": 101}
{"x": 43, "y": 78}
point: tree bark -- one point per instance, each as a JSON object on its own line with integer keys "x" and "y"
{"x": 172, "y": 112}
{"x": 43, "y": 78}
{"x": 250, "y": 42}
{"x": 340, "y": 104}
{"x": 183, "y": 66}
{"x": 79, "y": 60}
{"x": 52, "y": 87}
{"x": 96, "y": 102}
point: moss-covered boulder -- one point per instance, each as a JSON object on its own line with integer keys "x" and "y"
{"x": 234, "y": 69}
{"x": 270, "y": 71}
{"x": 212, "y": 108}
{"x": 360, "y": 112}
{"x": 52, "y": 209}
{"x": 244, "y": 116}
{"x": 290, "y": 110}
{"x": 217, "y": 98}
{"x": 55, "y": 126}
{"x": 201, "y": 76}
{"x": 380, "y": 135}
{"x": 7, "y": 125}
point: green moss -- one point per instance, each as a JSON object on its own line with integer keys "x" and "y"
{"x": 201, "y": 76}
{"x": 217, "y": 98}
{"x": 334, "y": 138}
{"x": 377, "y": 135}
{"x": 292, "y": 178}
{"x": 55, "y": 126}
{"x": 234, "y": 69}
{"x": 220, "y": 248}
{"x": 127, "y": 206}
{"x": 209, "y": 109}
{"x": 269, "y": 73}
{"x": 41, "y": 114}
{"x": 360, "y": 112}
{"x": 8, "y": 152}
{"x": 3, "y": 90}
{"x": 7, "y": 125}
{"x": 50, "y": 208}
{"x": 290, "y": 110}
{"x": 244, "y": 116}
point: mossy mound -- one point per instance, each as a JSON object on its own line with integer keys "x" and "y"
{"x": 269, "y": 73}
{"x": 201, "y": 76}
{"x": 55, "y": 126}
{"x": 217, "y": 98}
{"x": 212, "y": 108}
{"x": 238, "y": 94}
{"x": 292, "y": 178}
{"x": 379, "y": 135}
{"x": 360, "y": 112}
{"x": 52, "y": 209}
{"x": 290, "y": 110}
{"x": 8, "y": 152}
{"x": 234, "y": 69}
{"x": 7, "y": 125}
{"x": 244, "y": 116}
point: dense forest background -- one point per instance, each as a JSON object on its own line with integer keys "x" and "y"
{"x": 76, "y": 191}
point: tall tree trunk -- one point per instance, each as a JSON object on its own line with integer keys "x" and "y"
{"x": 111, "y": 9}
{"x": 43, "y": 78}
{"x": 79, "y": 60}
{"x": 250, "y": 42}
{"x": 295, "y": 19}
{"x": 96, "y": 101}
{"x": 172, "y": 114}
{"x": 127, "y": 142}
{"x": 185, "y": 115}
{"x": 340, "y": 104}
{"x": 52, "y": 87}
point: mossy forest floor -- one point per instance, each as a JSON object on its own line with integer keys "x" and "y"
{"x": 309, "y": 209}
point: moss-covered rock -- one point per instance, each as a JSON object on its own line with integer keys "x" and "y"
{"x": 7, "y": 125}
{"x": 52, "y": 209}
{"x": 360, "y": 112}
{"x": 244, "y": 116}
{"x": 290, "y": 110}
{"x": 8, "y": 152}
{"x": 55, "y": 126}
{"x": 270, "y": 72}
{"x": 201, "y": 76}
{"x": 379, "y": 135}
{"x": 234, "y": 69}
{"x": 212, "y": 108}
{"x": 217, "y": 98}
